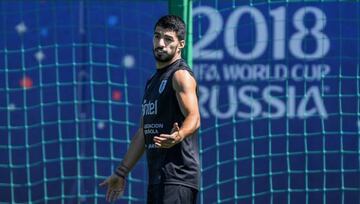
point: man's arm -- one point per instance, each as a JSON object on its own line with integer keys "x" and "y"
{"x": 116, "y": 182}
{"x": 185, "y": 87}
{"x": 135, "y": 151}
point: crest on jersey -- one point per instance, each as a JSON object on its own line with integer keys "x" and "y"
{"x": 162, "y": 85}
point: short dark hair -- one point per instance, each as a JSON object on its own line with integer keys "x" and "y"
{"x": 174, "y": 23}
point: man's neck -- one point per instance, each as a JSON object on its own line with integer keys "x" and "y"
{"x": 160, "y": 65}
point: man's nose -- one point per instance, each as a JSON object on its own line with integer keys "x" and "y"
{"x": 161, "y": 42}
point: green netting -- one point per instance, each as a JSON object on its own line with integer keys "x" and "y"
{"x": 68, "y": 109}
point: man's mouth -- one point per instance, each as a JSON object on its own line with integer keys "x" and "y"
{"x": 160, "y": 50}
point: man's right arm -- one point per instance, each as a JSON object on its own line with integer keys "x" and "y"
{"x": 134, "y": 153}
{"x": 116, "y": 182}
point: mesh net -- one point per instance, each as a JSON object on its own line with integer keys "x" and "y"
{"x": 72, "y": 77}
{"x": 279, "y": 98}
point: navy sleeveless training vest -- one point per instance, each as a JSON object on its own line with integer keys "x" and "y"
{"x": 160, "y": 110}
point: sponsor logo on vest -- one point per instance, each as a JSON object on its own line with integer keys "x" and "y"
{"x": 149, "y": 108}
{"x": 162, "y": 85}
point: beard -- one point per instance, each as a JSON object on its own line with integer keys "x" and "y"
{"x": 162, "y": 56}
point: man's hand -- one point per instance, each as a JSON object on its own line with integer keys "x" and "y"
{"x": 168, "y": 140}
{"x": 116, "y": 187}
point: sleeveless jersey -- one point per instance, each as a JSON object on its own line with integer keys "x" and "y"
{"x": 160, "y": 110}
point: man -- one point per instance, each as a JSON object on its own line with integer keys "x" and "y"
{"x": 169, "y": 124}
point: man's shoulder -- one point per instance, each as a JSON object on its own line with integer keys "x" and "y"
{"x": 183, "y": 79}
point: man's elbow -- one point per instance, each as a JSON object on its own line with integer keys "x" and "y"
{"x": 197, "y": 126}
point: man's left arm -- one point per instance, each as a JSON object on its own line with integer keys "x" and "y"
{"x": 184, "y": 85}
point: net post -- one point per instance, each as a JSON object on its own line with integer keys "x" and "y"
{"x": 183, "y": 8}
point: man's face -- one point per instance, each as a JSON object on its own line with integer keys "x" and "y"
{"x": 166, "y": 44}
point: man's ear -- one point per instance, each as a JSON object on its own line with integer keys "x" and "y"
{"x": 181, "y": 44}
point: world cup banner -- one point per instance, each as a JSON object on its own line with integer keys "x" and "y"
{"x": 279, "y": 100}
{"x": 276, "y": 61}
